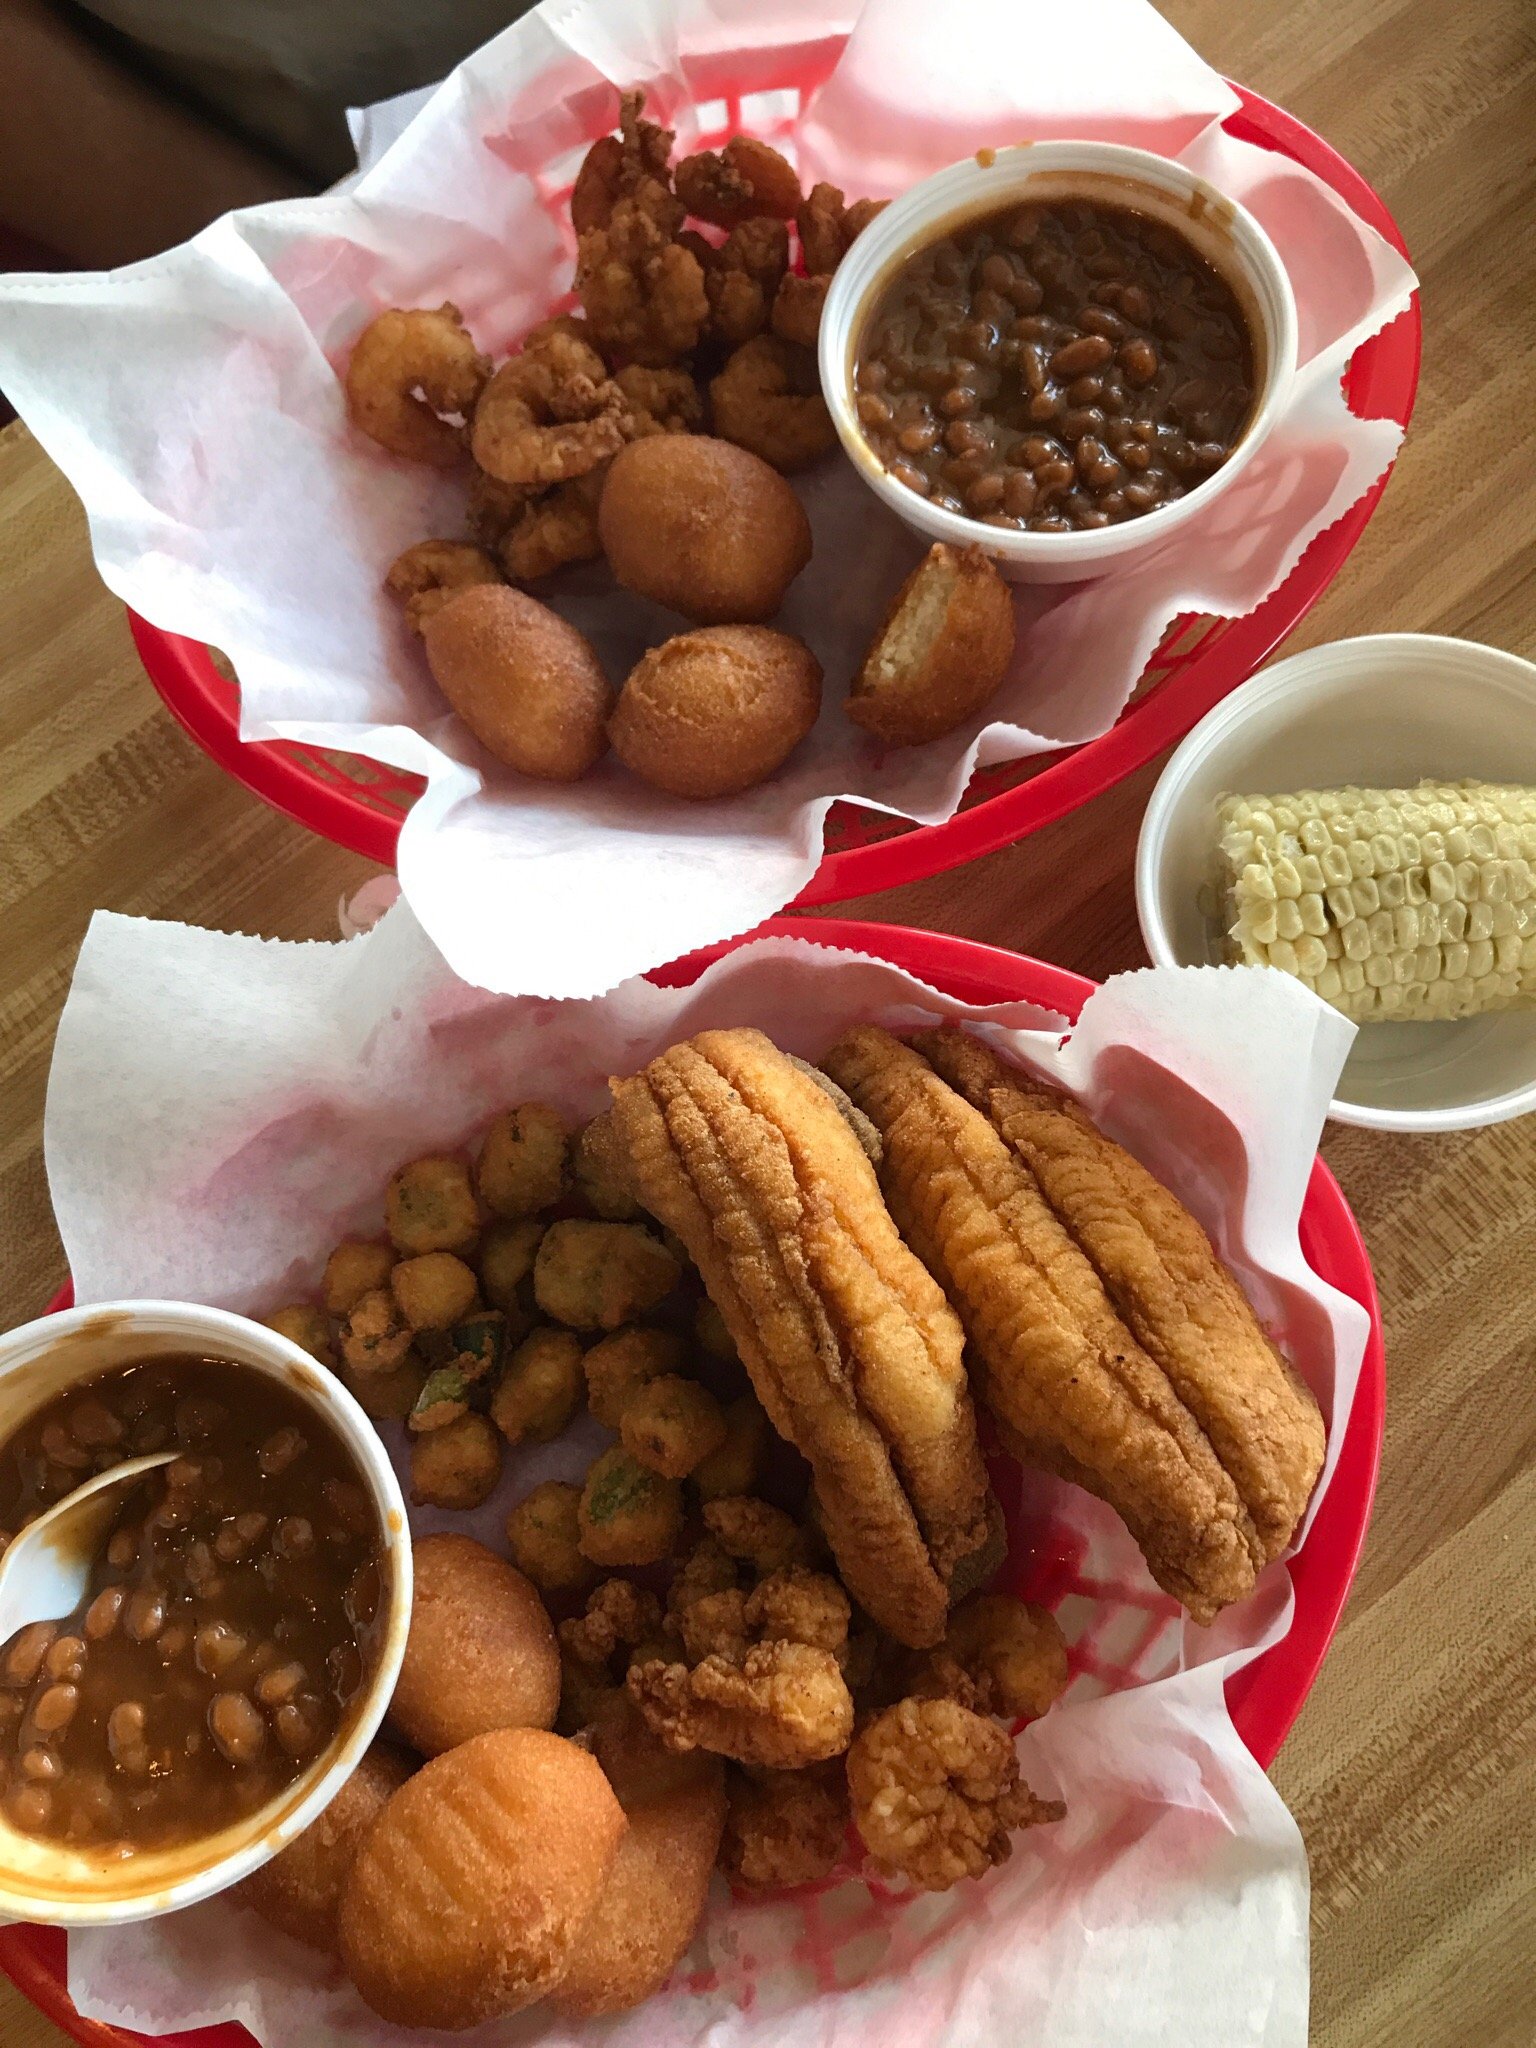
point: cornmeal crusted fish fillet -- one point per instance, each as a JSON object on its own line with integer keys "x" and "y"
{"x": 1055, "y": 1361}
{"x": 853, "y": 1350}
{"x": 1164, "y": 1278}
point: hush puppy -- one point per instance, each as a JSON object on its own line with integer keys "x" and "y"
{"x": 946, "y": 644}
{"x": 470, "y": 1896}
{"x": 481, "y": 1651}
{"x": 712, "y": 713}
{"x": 528, "y": 686}
{"x": 595, "y": 1276}
{"x": 299, "y": 1891}
{"x": 703, "y": 527}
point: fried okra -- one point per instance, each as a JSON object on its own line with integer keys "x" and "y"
{"x": 444, "y": 1397}
{"x": 544, "y": 1533}
{"x": 375, "y": 1337}
{"x": 629, "y": 1515}
{"x": 670, "y": 1424}
{"x": 354, "y": 1269}
{"x": 541, "y": 1388}
{"x": 435, "y": 1290}
{"x": 522, "y": 1162}
{"x": 600, "y": 1167}
{"x": 305, "y": 1325}
{"x": 387, "y": 1396}
{"x": 456, "y": 1466}
{"x": 430, "y": 1206}
{"x": 506, "y": 1261}
{"x": 597, "y": 1276}
{"x": 736, "y": 1463}
{"x": 617, "y": 1367}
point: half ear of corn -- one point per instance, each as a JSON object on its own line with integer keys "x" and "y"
{"x": 1391, "y": 904}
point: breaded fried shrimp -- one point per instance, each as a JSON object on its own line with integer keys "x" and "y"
{"x": 410, "y": 372}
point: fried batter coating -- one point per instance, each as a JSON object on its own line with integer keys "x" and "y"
{"x": 493, "y": 507}
{"x": 457, "y": 1466}
{"x": 671, "y": 1424}
{"x": 543, "y": 1531}
{"x": 1072, "y": 1387}
{"x": 1014, "y": 1652}
{"x": 299, "y": 1891}
{"x": 375, "y": 1337}
{"x": 617, "y": 1612}
{"x": 555, "y": 529}
{"x": 616, "y": 164}
{"x": 737, "y": 1465}
{"x": 597, "y": 1276}
{"x": 435, "y": 1290}
{"x": 716, "y": 711}
{"x": 1163, "y": 1275}
{"x": 942, "y": 649}
{"x": 732, "y": 185}
{"x": 480, "y": 1652}
{"x": 354, "y": 1269}
{"x": 387, "y": 1396}
{"x": 431, "y": 572}
{"x": 756, "y": 1533}
{"x": 629, "y": 1515}
{"x": 642, "y": 291}
{"x": 708, "y": 1568}
{"x": 548, "y": 414}
{"x": 829, "y": 226}
{"x": 936, "y": 1791}
{"x": 586, "y": 1692}
{"x": 527, "y": 684}
{"x": 780, "y": 1704}
{"x": 521, "y": 1167}
{"x": 469, "y": 1896}
{"x": 715, "y": 1625}
{"x": 660, "y": 401}
{"x": 400, "y": 353}
{"x": 795, "y": 1605}
{"x": 617, "y": 1367}
{"x": 741, "y": 278}
{"x": 541, "y": 1388}
{"x": 600, "y": 1168}
{"x": 767, "y": 399}
{"x": 784, "y": 1828}
{"x": 430, "y": 1206}
{"x": 853, "y": 1351}
{"x": 797, "y": 308}
{"x": 305, "y": 1325}
{"x": 854, "y": 1118}
{"x": 507, "y": 1252}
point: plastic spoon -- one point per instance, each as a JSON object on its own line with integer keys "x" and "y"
{"x": 46, "y": 1568}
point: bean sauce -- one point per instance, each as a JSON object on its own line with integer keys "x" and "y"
{"x": 1055, "y": 368}
{"x": 229, "y": 1625}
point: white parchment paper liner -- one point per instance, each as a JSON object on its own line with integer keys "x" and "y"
{"x": 193, "y": 402}
{"x": 221, "y": 1109}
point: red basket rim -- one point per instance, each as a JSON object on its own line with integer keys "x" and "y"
{"x": 1381, "y": 382}
{"x": 1266, "y": 1696}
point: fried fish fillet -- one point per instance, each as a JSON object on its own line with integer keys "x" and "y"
{"x": 1075, "y": 1390}
{"x": 1159, "y": 1269}
{"x": 852, "y": 1348}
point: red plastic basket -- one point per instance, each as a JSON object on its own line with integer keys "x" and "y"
{"x": 360, "y": 803}
{"x": 1266, "y": 1696}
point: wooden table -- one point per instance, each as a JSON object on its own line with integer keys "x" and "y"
{"x": 1413, "y": 1767}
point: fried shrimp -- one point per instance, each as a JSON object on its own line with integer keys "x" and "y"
{"x": 1013, "y": 1652}
{"x": 829, "y": 225}
{"x": 617, "y": 1612}
{"x": 555, "y": 530}
{"x": 643, "y": 292}
{"x": 708, "y": 1568}
{"x": 784, "y": 1828}
{"x": 548, "y": 414}
{"x": 795, "y": 1605}
{"x": 427, "y": 575}
{"x": 779, "y": 1704}
{"x": 411, "y": 374}
{"x": 767, "y": 399}
{"x": 660, "y": 401}
{"x": 741, "y": 277}
{"x": 756, "y": 1533}
{"x": 715, "y": 1625}
{"x": 797, "y": 308}
{"x": 493, "y": 507}
{"x": 737, "y": 183}
{"x": 616, "y": 164}
{"x": 936, "y": 1791}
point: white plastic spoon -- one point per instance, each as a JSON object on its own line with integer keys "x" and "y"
{"x": 47, "y": 1567}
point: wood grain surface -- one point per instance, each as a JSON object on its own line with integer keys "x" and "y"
{"x": 1413, "y": 1767}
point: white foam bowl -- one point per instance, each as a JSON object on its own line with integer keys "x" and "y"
{"x": 1383, "y": 711}
{"x": 1224, "y": 233}
{"x": 46, "y": 1880}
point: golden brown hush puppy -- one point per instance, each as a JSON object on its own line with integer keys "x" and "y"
{"x": 299, "y": 1891}
{"x": 481, "y": 1651}
{"x": 702, "y": 527}
{"x": 470, "y": 1895}
{"x": 712, "y": 713}
{"x": 653, "y": 1900}
{"x": 946, "y": 644}
{"x": 528, "y": 686}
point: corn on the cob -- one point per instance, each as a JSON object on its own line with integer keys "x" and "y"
{"x": 1391, "y": 904}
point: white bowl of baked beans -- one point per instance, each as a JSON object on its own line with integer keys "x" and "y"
{"x": 242, "y": 1629}
{"x": 1060, "y": 352}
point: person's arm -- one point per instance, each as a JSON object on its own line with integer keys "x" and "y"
{"x": 96, "y": 163}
